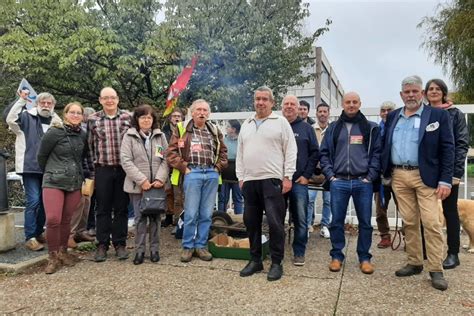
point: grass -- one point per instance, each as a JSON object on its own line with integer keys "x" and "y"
{"x": 470, "y": 170}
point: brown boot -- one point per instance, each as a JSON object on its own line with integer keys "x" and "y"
{"x": 53, "y": 263}
{"x": 66, "y": 258}
{"x": 71, "y": 243}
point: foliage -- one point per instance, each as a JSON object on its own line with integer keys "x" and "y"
{"x": 73, "y": 48}
{"x": 450, "y": 40}
{"x": 241, "y": 45}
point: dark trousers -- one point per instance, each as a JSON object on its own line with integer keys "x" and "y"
{"x": 265, "y": 195}
{"x": 111, "y": 199}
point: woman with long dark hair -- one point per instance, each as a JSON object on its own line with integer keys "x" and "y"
{"x": 436, "y": 92}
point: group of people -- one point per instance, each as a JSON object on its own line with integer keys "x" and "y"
{"x": 415, "y": 155}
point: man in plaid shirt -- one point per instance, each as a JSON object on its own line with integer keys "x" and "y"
{"x": 105, "y": 130}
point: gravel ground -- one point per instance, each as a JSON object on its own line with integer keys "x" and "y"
{"x": 20, "y": 253}
{"x": 171, "y": 287}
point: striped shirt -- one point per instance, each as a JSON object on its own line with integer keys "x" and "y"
{"x": 202, "y": 147}
{"x": 104, "y": 135}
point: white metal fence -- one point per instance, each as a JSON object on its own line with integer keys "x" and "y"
{"x": 467, "y": 185}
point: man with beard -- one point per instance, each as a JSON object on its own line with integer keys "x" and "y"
{"x": 29, "y": 127}
{"x": 350, "y": 160}
{"x": 418, "y": 156}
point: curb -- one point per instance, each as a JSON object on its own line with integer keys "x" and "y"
{"x": 21, "y": 266}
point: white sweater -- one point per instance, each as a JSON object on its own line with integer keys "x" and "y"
{"x": 268, "y": 151}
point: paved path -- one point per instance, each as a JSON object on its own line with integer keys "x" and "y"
{"x": 171, "y": 287}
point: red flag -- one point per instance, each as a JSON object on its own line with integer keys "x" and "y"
{"x": 178, "y": 86}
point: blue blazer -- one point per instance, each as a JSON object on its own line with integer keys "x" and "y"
{"x": 435, "y": 150}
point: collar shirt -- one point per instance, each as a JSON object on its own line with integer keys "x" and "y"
{"x": 405, "y": 142}
{"x": 105, "y": 137}
{"x": 202, "y": 148}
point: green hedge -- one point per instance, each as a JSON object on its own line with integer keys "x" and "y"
{"x": 470, "y": 170}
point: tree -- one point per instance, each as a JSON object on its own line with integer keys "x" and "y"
{"x": 450, "y": 40}
{"x": 73, "y": 48}
{"x": 241, "y": 45}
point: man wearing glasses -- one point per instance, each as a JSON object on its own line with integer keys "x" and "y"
{"x": 105, "y": 130}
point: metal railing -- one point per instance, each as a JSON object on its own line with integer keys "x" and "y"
{"x": 220, "y": 118}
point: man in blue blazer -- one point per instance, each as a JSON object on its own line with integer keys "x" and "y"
{"x": 418, "y": 156}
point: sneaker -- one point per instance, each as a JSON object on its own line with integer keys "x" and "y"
{"x": 325, "y": 232}
{"x": 131, "y": 222}
{"x": 186, "y": 255}
{"x": 71, "y": 243}
{"x": 385, "y": 242}
{"x": 298, "y": 261}
{"x": 41, "y": 239}
{"x": 100, "y": 254}
{"x": 121, "y": 252}
{"x": 203, "y": 254}
{"x": 34, "y": 245}
{"x": 310, "y": 229}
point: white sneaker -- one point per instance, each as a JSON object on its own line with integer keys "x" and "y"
{"x": 325, "y": 232}
{"x": 131, "y": 222}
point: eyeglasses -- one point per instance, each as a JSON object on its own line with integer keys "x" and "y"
{"x": 75, "y": 113}
{"x": 109, "y": 98}
{"x": 145, "y": 118}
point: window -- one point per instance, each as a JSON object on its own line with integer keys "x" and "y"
{"x": 325, "y": 77}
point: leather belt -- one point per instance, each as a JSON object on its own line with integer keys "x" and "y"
{"x": 192, "y": 165}
{"x": 349, "y": 177}
{"x": 406, "y": 167}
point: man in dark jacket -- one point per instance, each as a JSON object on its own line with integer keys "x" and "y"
{"x": 306, "y": 161}
{"x": 350, "y": 160}
{"x": 418, "y": 155}
{"x": 29, "y": 127}
{"x": 303, "y": 112}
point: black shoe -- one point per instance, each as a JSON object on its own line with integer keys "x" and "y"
{"x": 451, "y": 261}
{"x": 139, "y": 258}
{"x": 154, "y": 257}
{"x": 121, "y": 252}
{"x": 251, "y": 268}
{"x": 167, "y": 221}
{"x": 409, "y": 270}
{"x": 275, "y": 273}
{"x": 438, "y": 281}
{"x": 100, "y": 254}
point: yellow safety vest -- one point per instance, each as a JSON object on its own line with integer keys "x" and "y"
{"x": 176, "y": 173}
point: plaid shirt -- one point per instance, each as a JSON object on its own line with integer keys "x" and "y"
{"x": 104, "y": 136}
{"x": 202, "y": 148}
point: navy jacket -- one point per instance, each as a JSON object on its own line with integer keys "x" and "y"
{"x": 308, "y": 149}
{"x": 435, "y": 150}
{"x": 328, "y": 153}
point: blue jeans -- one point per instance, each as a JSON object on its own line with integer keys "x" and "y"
{"x": 298, "y": 206}
{"x": 200, "y": 189}
{"x": 34, "y": 209}
{"x": 361, "y": 192}
{"x": 237, "y": 197}
{"x": 326, "y": 213}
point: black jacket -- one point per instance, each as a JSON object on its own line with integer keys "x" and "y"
{"x": 461, "y": 140}
{"x": 61, "y": 158}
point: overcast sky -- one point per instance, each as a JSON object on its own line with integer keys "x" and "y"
{"x": 373, "y": 45}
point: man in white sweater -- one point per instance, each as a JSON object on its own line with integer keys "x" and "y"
{"x": 266, "y": 161}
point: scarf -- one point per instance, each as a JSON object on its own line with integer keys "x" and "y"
{"x": 146, "y": 139}
{"x": 72, "y": 128}
{"x": 360, "y": 119}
